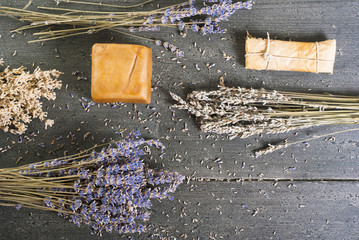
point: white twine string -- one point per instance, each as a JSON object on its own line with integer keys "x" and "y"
{"x": 268, "y": 56}
{"x": 316, "y": 62}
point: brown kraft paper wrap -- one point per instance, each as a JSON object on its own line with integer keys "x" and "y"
{"x": 268, "y": 54}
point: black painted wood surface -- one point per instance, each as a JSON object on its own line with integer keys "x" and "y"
{"x": 296, "y": 193}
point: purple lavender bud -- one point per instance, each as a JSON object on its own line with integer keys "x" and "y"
{"x": 88, "y": 190}
{"x": 112, "y": 180}
{"x": 116, "y": 169}
{"x": 89, "y": 197}
{"x": 100, "y": 192}
{"x": 76, "y": 184}
{"x": 72, "y": 206}
{"x": 78, "y": 203}
{"x": 150, "y": 20}
{"x": 119, "y": 181}
{"x": 248, "y": 4}
{"x": 155, "y": 28}
{"x": 181, "y": 25}
{"x": 47, "y": 202}
{"x": 164, "y": 19}
{"x": 195, "y": 27}
{"x": 172, "y": 48}
{"x": 192, "y": 11}
{"x": 178, "y": 16}
{"x": 84, "y": 210}
{"x": 204, "y": 29}
{"x": 172, "y": 19}
{"x": 81, "y": 193}
{"x": 84, "y": 174}
{"x": 210, "y": 29}
{"x": 167, "y": 12}
{"x": 209, "y": 11}
{"x": 93, "y": 206}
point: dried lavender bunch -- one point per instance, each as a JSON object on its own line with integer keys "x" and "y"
{"x": 21, "y": 92}
{"x": 109, "y": 190}
{"x": 241, "y": 112}
{"x": 185, "y": 16}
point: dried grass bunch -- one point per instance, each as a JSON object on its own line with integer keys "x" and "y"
{"x": 20, "y": 97}
{"x": 242, "y": 112}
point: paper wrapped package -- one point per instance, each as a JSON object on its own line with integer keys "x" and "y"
{"x": 268, "y": 54}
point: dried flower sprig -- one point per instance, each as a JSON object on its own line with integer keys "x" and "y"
{"x": 109, "y": 190}
{"x": 241, "y": 112}
{"x": 20, "y": 95}
{"x": 103, "y": 4}
{"x": 184, "y": 16}
{"x": 271, "y": 148}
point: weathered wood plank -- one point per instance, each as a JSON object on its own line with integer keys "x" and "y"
{"x": 254, "y": 210}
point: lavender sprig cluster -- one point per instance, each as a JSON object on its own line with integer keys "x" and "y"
{"x": 189, "y": 17}
{"x": 110, "y": 190}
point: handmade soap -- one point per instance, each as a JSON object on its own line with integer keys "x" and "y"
{"x": 268, "y": 54}
{"x": 121, "y": 73}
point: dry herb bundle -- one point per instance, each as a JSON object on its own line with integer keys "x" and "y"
{"x": 241, "y": 112}
{"x": 20, "y": 95}
{"x": 109, "y": 190}
{"x": 185, "y": 16}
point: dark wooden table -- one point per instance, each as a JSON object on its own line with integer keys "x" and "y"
{"x": 296, "y": 193}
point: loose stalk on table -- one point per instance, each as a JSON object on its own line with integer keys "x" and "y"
{"x": 271, "y": 148}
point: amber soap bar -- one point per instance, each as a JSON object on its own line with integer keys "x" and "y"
{"x": 121, "y": 73}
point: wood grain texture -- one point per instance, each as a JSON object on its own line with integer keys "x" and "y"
{"x": 191, "y": 152}
{"x": 222, "y": 210}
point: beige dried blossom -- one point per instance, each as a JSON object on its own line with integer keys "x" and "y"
{"x": 20, "y": 95}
